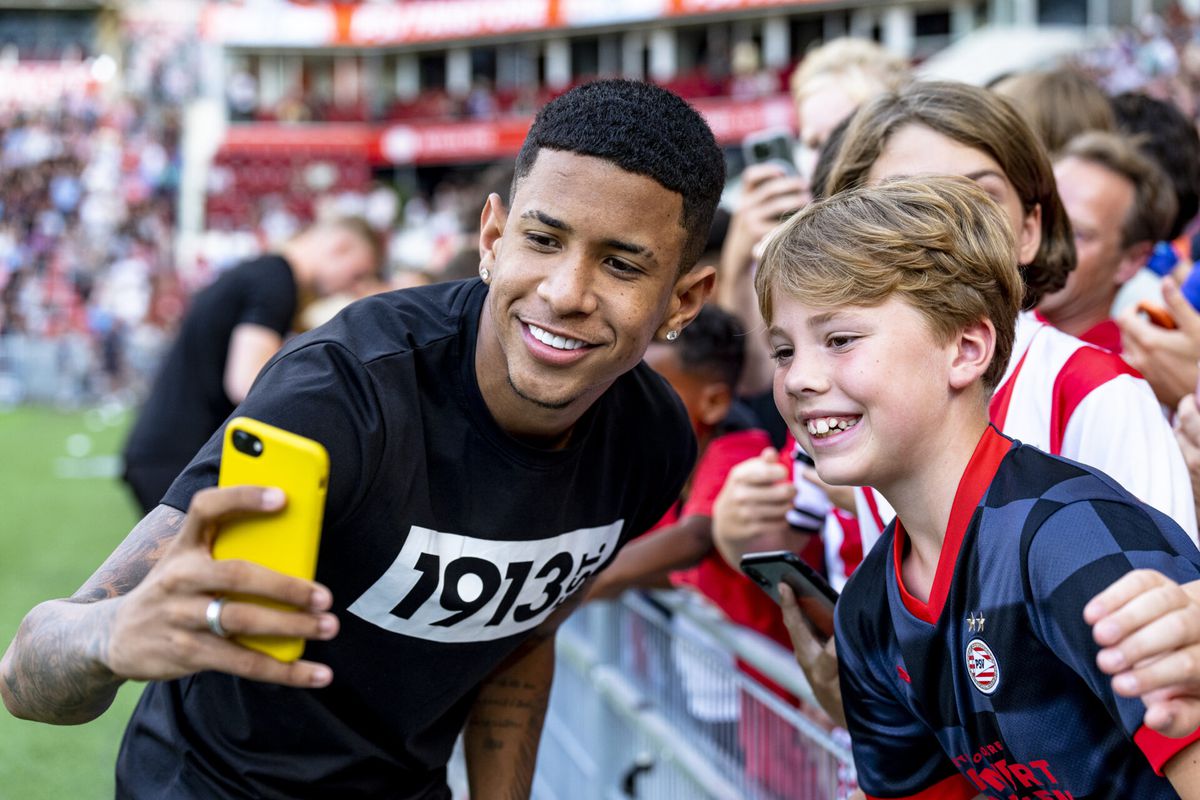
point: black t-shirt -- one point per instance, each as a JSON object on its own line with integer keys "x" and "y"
{"x": 188, "y": 400}
{"x": 445, "y": 543}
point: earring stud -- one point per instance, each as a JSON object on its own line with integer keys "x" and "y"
{"x": 484, "y": 274}
{"x": 672, "y": 335}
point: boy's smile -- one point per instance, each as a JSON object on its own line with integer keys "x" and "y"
{"x": 824, "y": 427}
{"x": 861, "y": 388}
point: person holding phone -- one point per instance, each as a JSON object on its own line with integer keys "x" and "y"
{"x": 827, "y": 86}
{"x": 892, "y": 310}
{"x": 492, "y": 444}
{"x": 947, "y": 128}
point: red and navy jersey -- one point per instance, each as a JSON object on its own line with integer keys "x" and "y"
{"x": 991, "y": 686}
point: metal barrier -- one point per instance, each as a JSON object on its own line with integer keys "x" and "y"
{"x": 652, "y": 700}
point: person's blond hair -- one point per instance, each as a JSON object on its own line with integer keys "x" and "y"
{"x": 986, "y": 122}
{"x": 1153, "y": 208}
{"x": 1059, "y": 104}
{"x": 860, "y": 67}
{"x": 940, "y": 244}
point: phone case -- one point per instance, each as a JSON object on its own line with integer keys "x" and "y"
{"x": 1156, "y": 314}
{"x": 286, "y": 542}
{"x": 815, "y": 597}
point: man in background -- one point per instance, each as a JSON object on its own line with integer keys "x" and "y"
{"x": 231, "y": 330}
{"x": 1120, "y": 204}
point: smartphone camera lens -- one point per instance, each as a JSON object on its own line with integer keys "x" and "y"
{"x": 247, "y": 443}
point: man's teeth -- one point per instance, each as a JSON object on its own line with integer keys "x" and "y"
{"x": 557, "y": 342}
{"x": 823, "y": 426}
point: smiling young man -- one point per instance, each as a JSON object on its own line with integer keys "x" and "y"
{"x": 967, "y": 666}
{"x": 493, "y": 443}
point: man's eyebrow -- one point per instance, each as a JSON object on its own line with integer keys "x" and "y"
{"x": 629, "y": 247}
{"x": 546, "y": 219}
{"x": 615, "y": 244}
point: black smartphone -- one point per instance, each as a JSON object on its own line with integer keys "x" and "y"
{"x": 773, "y": 146}
{"x": 814, "y": 595}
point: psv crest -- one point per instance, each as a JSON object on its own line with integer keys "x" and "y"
{"x": 982, "y": 666}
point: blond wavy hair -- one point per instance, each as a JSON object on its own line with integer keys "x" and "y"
{"x": 940, "y": 244}
{"x": 860, "y": 66}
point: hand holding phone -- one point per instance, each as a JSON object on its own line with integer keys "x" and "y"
{"x": 814, "y": 595}
{"x": 255, "y": 453}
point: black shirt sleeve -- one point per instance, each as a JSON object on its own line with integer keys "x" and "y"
{"x": 270, "y": 297}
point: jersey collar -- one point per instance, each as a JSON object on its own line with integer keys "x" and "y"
{"x": 980, "y": 471}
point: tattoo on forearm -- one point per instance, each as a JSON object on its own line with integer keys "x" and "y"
{"x": 133, "y": 558}
{"x": 507, "y": 722}
{"x": 50, "y": 671}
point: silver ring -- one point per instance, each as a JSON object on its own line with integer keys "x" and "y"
{"x": 212, "y": 615}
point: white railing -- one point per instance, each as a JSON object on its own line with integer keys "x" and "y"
{"x": 652, "y": 699}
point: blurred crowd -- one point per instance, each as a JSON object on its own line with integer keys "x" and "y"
{"x": 87, "y": 223}
{"x": 89, "y": 279}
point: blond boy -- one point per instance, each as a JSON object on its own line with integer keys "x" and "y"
{"x": 966, "y": 666}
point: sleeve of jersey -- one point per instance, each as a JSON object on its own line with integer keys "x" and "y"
{"x": 721, "y": 455}
{"x": 895, "y": 754}
{"x": 271, "y": 303}
{"x": 320, "y": 391}
{"x": 1078, "y": 551}
{"x": 1119, "y": 429}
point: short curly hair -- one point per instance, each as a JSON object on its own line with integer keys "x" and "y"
{"x": 982, "y": 120}
{"x": 643, "y": 129}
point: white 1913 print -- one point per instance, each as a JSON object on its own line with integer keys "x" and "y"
{"x": 454, "y": 588}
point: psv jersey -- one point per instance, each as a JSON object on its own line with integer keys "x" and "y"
{"x": 991, "y": 686}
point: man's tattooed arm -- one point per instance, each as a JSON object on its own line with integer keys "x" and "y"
{"x": 505, "y": 725}
{"x": 53, "y": 670}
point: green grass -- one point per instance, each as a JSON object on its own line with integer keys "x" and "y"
{"x": 54, "y": 531}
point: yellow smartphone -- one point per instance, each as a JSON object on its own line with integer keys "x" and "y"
{"x": 255, "y": 453}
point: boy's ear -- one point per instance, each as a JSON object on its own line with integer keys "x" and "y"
{"x": 972, "y": 353}
{"x": 491, "y": 230}
{"x": 691, "y": 291}
{"x": 715, "y": 402}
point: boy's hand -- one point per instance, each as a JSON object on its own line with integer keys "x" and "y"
{"x": 819, "y": 661}
{"x": 1149, "y": 629}
{"x": 753, "y": 503}
{"x": 159, "y": 629}
{"x": 1167, "y": 358}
